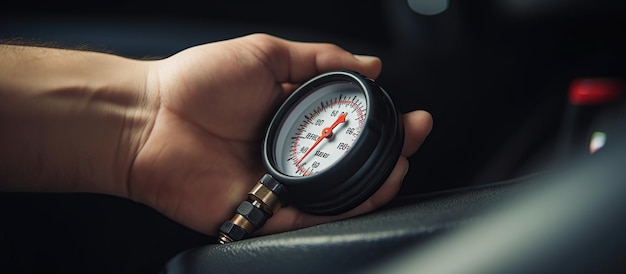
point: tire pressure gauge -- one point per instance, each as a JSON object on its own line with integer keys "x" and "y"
{"x": 329, "y": 147}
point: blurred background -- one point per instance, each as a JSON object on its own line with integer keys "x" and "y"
{"x": 495, "y": 75}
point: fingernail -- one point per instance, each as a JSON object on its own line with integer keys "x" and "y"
{"x": 366, "y": 58}
{"x": 405, "y": 171}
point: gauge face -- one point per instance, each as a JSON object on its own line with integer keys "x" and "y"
{"x": 320, "y": 129}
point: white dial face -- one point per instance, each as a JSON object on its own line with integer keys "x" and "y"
{"x": 320, "y": 129}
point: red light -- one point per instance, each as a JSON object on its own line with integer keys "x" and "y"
{"x": 595, "y": 91}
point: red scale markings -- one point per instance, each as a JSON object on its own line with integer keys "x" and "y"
{"x": 323, "y": 107}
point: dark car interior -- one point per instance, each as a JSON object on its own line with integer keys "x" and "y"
{"x": 507, "y": 181}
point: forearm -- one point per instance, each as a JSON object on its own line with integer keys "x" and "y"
{"x": 70, "y": 120}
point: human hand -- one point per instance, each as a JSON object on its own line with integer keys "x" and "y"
{"x": 202, "y": 153}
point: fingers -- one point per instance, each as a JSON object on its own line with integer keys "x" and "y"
{"x": 309, "y": 60}
{"x": 417, "y": 126}
{"x": 296, "y": 62}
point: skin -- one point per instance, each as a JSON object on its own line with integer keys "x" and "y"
{"x": 181, "y": 134}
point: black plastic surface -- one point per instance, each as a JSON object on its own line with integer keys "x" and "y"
{"x": 348, "y": 245}
{"x": 567, "y": 221}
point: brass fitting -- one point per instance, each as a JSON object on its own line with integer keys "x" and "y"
{"x": 263, "y": 200}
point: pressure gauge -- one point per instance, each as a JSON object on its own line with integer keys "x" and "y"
{"x": 328, "y": 148}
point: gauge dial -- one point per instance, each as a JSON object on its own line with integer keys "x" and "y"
{"x": 333, "y": 142}
{"x": 321, "y": 129}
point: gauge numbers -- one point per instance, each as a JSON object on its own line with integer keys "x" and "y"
{"x": 321, "y": 129}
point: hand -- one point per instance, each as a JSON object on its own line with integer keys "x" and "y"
{"x": 202, "y": 153}
{"x": 182, "y": 134}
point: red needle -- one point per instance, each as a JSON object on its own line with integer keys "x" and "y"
{"x": 326, "y": 133}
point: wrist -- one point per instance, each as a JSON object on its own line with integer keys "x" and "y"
{"x": 74, "y": 119}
